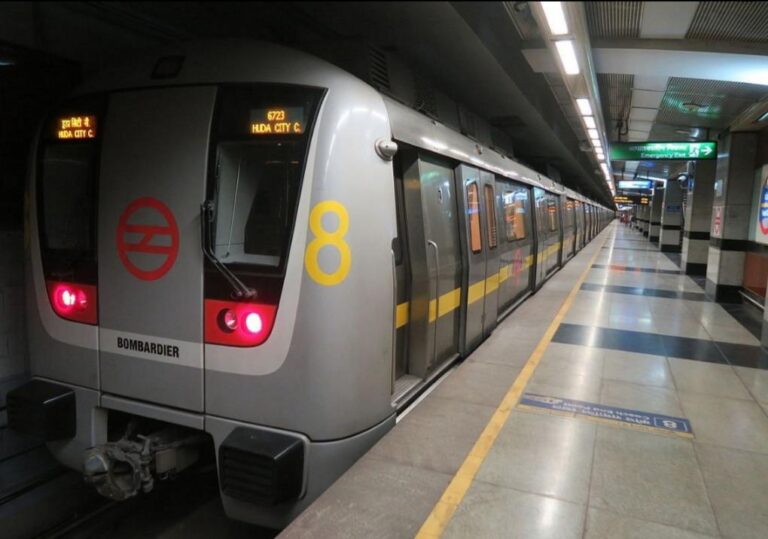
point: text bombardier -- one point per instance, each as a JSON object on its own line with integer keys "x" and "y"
{"x": 137, "y": 345}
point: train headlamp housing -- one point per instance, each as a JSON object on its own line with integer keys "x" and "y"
{"x": 232, "y": 323}
{"x": 75, "y": 302}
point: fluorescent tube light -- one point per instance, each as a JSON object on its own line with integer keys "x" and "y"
{"x": 555, "y": 15}
{"x": 568, "y": 56}
{"x": 584, "y": 107}
{"x": 593, "y": 134}
{"x": 590, "y": 122}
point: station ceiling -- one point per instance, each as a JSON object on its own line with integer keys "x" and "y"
{"x": 656, "y": 64}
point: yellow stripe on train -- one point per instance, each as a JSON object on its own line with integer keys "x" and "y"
{"x": 450, "y": 301}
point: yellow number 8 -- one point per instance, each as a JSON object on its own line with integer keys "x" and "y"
{"x": 323, "y": 238}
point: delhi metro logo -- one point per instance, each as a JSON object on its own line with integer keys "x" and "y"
{"x": 147, "y": 239}
{"x": 763, "y": 213}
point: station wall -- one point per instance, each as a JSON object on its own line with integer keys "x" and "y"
{"x": 13, "y": 345}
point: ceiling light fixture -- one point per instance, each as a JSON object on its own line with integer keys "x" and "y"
{"x": 568, "y": 56}
{"x": 584, "y": 107}
{"x": 590, "y": 122}
{"x": 593, "y": 134}
{"x": 555, "y": 15}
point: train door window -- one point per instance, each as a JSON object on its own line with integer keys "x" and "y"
{"x": 259, "y": 164}
{"x": 552, "y": 214}
{"x": 515, "y": 203}
{"x": 490, "y": 216}
{"x": 473, "y": 210}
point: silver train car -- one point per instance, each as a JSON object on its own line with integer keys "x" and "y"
{"x": 241, "y": 247}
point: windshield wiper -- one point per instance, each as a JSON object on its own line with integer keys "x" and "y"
{"x": 240, "y": 289}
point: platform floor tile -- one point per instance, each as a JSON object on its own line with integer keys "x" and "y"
{"x": 639, "y": 337}
{"x": 494, "y": 511}
{"x": 650, "y": 477}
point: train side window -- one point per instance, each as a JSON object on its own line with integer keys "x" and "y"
{"x": 490, "y": 217}
{"x": 514, "y": 214}
{"x": 473, "y": 209}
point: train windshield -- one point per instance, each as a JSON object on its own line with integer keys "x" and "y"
{"x": 261, "y": 143}
{"x": 66, "y": 190}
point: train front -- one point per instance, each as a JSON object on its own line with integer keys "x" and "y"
{"x": 210, "y": 266}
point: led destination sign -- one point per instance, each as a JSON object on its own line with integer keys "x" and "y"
{"x": 651, "y": 150}
{"x": 76, "y": 127}
{"x": 626, "y": 199}
{"x": 277, "y": 121}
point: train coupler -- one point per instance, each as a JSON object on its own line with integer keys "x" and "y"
{"x": 119, "y": 470}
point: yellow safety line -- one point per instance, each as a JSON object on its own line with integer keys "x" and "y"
{"x": 442, "y": 512}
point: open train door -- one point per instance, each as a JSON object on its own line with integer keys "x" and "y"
{"x": 153, "y": 177}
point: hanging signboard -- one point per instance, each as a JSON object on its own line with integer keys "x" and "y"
{"x": 653, "y": 150}
{"x": 635, "y": 184}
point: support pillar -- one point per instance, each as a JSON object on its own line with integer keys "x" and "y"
{"x": 671, "y": 227}
{"x": 654, "y": 225}
{"x": 729, "y": 232}
{"x": 642, "y": 223}
{"x": 698, "y": 217}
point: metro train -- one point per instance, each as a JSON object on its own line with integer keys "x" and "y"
{"x": 239, "y": 246}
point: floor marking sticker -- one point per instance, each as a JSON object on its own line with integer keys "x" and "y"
{"x": 610, "y": 414}
{"x": 442, "y": 513}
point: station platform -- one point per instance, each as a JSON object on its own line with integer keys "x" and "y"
{"x": 618, "y": 401}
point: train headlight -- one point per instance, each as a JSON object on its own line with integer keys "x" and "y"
{"x": 73, "y": 301}
{"x": 253, "y": 323}
{"x": 229, "y": 319}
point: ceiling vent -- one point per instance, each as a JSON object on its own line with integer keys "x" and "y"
{"x": 378, "y": 69}
{"x": 426, "y": 98}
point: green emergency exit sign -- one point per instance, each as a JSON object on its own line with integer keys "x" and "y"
{"x": 651, "y": 150}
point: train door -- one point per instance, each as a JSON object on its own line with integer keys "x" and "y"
{"x": 515, "y": 243}
{"x": 554, "y": 251}
{"x": 491, "y": 300}
{"x": 153, "y": 180}
{"x": 578, "y": 210}
{"x": 480, "y": 236}
{"x": 470, "y": 193}
{"x": 571, "y": 228}
{"x": 433, "y": 265}
{"x": 542, "y": 236}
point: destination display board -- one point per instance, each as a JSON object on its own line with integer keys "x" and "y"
{"x": 76, "y": 127}
{"x": 655, "y": 150}
{"x": 277, "y": 121}
{"x": 627, "y": 199}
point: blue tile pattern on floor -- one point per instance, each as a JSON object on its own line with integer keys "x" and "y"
{"x": 640, "y": 291}
{"x": 662, "y": 345}
{"x": 748, "y": 316}
{"x": 619, "y": 267}
{"x": 631, "y": 249}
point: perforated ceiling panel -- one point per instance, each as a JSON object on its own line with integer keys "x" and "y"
{"x": 616, "y": 97}
{"x": 730, "y": 21}
{"x": 614, "y": 19}
{"x": 705, "y": 103}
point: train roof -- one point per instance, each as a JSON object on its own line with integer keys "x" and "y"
{"x": 418, "y": 130}
{"x": 232, "y": 60}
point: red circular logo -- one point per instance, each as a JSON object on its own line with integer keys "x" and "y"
{"x": 164, "y": 254}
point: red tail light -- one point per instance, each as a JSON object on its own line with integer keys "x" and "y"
{"x": 238, "y": 324}
{"x": 76, "y": 302}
